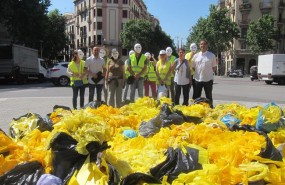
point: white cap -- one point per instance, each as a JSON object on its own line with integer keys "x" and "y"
{"x": 162, "y": 52}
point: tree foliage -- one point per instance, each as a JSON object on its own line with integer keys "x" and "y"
{"x": 217, "y": 29}
{"x": 261, "y": 34}
{"x": 25, "y": 20}
{"x": 55, "y": 37}
{"x": 142, "y": 31}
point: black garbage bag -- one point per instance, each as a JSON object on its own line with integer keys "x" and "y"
{"x": 61, "y": 107}
{"x": 269, "y": 152}
{"x": 94, "y": 104}
{"x": 151, "y": 127}
{"x": 114, "y": 176}
{"x": 16, "y": 130}
{"x": 169, "y": 117}
{"x": 139, "y": 178}
{"x": 177, "y": 162}
{"x": 94, "y": 148}
{"x": 203, "y": 100}
{"x": 65, "y": 159}
{"x": 23, "y": 174}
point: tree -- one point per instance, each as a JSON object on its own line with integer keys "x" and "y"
{"x": 25, "y": 20}
{"x": 142, "y": 31}
{"x": 261, "y": 34}
{"x": 55, "y": 37}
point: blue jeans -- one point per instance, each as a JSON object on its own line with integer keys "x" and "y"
{"x": 75, "y": 91}
{"x": 137, "y": 84}
{"x": 99, "y": 88}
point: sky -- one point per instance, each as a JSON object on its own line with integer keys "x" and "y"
{"x": 176, "y": 17}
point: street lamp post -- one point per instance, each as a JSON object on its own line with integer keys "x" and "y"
{"x": 41, "y": 48}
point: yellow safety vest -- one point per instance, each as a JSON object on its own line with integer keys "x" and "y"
{"x": 151, "y": 75}
{"x": 73, "y": 68}
{"x": 163, "y": 70}
{"x": 137, "y": 66}
{"x": 171, "y": 60}
{"x": 187, "y": 57}
{"x": 127, "y": 73}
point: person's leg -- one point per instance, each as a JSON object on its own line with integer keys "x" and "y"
{"x": 74, "y": 96}
{"x": 172, "y": 91}
{"x": 133, "y": 91}
{"x": 99, "y": 88}
{"x": 186, "y": 89}
{"x": 106, "y": 92}
{"x": 177, "y": 93}
{"x": 112, "y": 88}
{"x": 146, "y": 87}
{"x": 140, "y": 87}
{"x": 208, "y": 90}
{"x": 82, "y": 93}
{"x": 118, "y": 93}
{"x": 91, "y": 92}
{"x": 126, "y": 89}
{"x": 198, "y": 89}
{"x": 153, "y": 89}
{"x": 193, "y": 85}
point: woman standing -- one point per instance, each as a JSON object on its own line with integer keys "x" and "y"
{"x": 78, "y": 79}
{"x": 115, "y": 79}
{"x": 150, "y": 77}
{"x": 163, "y": 71}
{"x": 182, "y": 78}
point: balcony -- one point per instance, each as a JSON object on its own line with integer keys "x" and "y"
{"x": 70, "y": 34}
{"x": 245, "y": 7}
{"x": 244, "y": 23}
{"x": 82, "y": 45}
{"x": 77, "y": 24}
{"x": 89, "y": 20}
{"x": 266, "y": 7}
{"x": 81, "y": 10}
{"x": 281, "y": 5}
{"x": 280, "y": 22}
{"x": 83, "y": 35}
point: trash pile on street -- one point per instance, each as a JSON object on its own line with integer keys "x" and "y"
{"x": 146, "y": 142}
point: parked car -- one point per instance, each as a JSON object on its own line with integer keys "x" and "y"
{"x": 57, "y": 74}
{"x": 236, "y": 73}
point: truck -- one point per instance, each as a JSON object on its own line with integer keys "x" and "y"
{"x": 271, "y": 68}
{"x": 20, "y": 63}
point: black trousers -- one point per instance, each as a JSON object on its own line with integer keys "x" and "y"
{"x": 75, "y": 91}
{"x": 186, "y": 89}
{"x": 208, "y": 88}
{"x": 99, "y": 88}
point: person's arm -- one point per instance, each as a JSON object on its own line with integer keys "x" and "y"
{"x": 143, "y": 69}
{"x": 157, "y": 74}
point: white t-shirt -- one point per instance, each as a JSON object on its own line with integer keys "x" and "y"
{"x": 203, "y": 64}
{"x": 180, "y": 75}
{"x": 94, "y": 65}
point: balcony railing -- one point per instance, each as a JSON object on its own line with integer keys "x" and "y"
{"x": 245, "y": 7}
{"x": 244, "y": 22}
{"x": 281, "y": 21}
{"x": 82, "y": 10}
{"x": 83, "y": 35}
{"x": 267, "y": 5}
{"x": 282, "y": 5}
{"x": 82, "y": 45}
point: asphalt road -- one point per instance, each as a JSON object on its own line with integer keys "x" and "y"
{"x": 17, "y": 100}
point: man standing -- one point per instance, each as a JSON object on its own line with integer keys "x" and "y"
{"x": 95, "y": 67}
{"x": 204, "y": 64}
{"x": 171, "y": 58}
{"x": 137, "y": 67}
{"x": 189, "y": 56}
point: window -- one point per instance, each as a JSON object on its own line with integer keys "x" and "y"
{"x": 116, "y": 1}
{"x": 94, "y": 26}
{"x": 125, "y": 1}
{"x": 99, "y": 1}
{"x": 125, "y": 13}
{"x": 99, "y": 12}
{"x": 243, "y": 32}
{"x": 109, "y": 1}
{"x": 94, "y": 12}
{"x": 99, "y": 26}
{"x": 99, "y": 39}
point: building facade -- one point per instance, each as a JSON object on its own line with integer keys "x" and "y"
{"x": 243, "y": 12}
{"x": 100, "y": 22}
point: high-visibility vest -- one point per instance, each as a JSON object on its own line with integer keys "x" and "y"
{"x": 137, "y": 66}
{"x": 187, "y": 57}
{"x": 171, "y": 60}
{"x": 73, "y": 68}
{"x": 163, "y": 70}
{"x": 151, "y": 75}
{"x": 127, "y": 73}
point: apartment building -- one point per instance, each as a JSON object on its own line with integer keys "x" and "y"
{"x": 100, "y": 22}
{"x": 243, "y": 12}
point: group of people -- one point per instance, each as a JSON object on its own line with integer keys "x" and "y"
{"x": 167, "y": 76}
